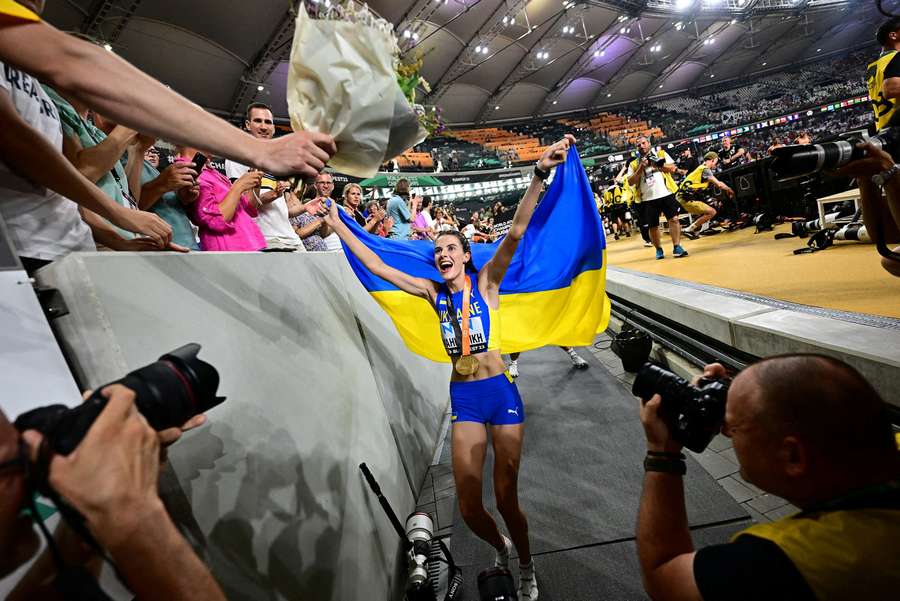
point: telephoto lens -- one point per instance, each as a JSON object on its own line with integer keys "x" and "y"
{"x": 168, "y": 392}
{"x": 419, "y": 530}
{"x": 797, "y": 160}
{"x": 496, "y": 584}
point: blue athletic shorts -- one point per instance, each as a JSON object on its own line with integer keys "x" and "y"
{"x": 494, "y": 401}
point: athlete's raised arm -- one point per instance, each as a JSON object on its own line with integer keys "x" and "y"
{"x": 494, "y": 270}
{"x": 422, "y": 287}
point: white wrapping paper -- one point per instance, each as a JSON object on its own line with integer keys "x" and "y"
{"x": 341, "y": 81}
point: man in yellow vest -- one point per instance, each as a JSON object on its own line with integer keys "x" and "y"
{"x": 616, "y": 205}
{"x": 650, "y": 175}
{"x": 694, "y": 190}
{"x": 883, "y": 75}
{"x": 806, "y": 428}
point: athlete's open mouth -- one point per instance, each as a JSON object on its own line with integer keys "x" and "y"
{"x": 445, "y": 265}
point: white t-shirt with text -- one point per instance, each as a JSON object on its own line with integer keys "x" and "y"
{"x": 41, "y": 223}
{"x": 273, "y": 219}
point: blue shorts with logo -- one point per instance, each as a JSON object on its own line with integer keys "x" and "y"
{"x": 493, "y": 401}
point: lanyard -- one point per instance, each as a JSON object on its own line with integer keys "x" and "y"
{"x": 123, "y": 188}
{"x": 463, "y": 334}
{"x": 466, "y": 348}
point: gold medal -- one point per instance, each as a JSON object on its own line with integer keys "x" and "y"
{"x": 466, "y": 365}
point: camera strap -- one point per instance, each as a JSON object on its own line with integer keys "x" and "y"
{"x": 73, "y": 582}
{"x": 454, "y": 574}
{"x": 818, "y": 241}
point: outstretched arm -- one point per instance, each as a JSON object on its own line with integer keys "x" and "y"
{"x": 721, "y": 185}
{"x": 495, "y": 269}
{"x": 421, "y": 287}
{"x": 135, "y": 99}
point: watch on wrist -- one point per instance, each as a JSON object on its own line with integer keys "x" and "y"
{"x": 880, "y": 179}
{"x": 540, "y": 173}
{"x": 666, "y": 465}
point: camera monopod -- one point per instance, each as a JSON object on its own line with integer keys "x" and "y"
{"x": 421, "y": 549}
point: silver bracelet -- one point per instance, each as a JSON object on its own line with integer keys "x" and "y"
{"x": 880, "y": 179}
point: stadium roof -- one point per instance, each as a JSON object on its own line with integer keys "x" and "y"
{"x": 487, "y": 60}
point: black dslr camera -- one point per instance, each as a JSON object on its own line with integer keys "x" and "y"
{"x": 657, "y": 162}
{"x": 694, "y": 414}
{"x": 168, "y": 392}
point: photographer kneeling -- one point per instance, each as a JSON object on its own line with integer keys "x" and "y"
{"x": 811, "y": 430}
{"x": 111, "y": 480}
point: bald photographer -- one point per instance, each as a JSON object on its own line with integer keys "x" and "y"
{"x": 811, "y": 430}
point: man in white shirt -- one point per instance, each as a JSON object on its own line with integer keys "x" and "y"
{"x": 650, "y": 175}
{"x": 274, "y": 212}
{"x": 42, "y": 225}
{"x": 324, "y": 188}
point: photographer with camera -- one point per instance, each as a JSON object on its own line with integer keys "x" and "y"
{"x": 650, "y": 175}
{"x": 694, "y": 191}
{"x": 879, "y": 198}
{"x": 111, "y": 480}
{"x": 807, "y": 428}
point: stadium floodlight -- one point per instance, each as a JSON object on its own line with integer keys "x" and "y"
{"x": 260, "y": 88}
{"x": 415, "y": 36}
{"x": 477, "y": 49}
{"x": 683, "y": 4}
{"x": 764, "y": 64}
{"x": 555, "y": 101}
{"x": 407, "y": 34}
{"x": 497, "y": 108}
{"x": 679, "y": 26}
{"x": 609, "y": 95}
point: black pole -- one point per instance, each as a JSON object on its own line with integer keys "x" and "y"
{"x": 385, "y": 505}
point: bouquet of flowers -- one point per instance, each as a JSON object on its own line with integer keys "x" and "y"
{"x": 409, "y": 79}
{"x": 343, "y": 81}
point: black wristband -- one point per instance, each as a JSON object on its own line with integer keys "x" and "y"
{"x": 540, "y": 173}
{"x": 667, "y": 466}
{"x": 665, "y": 455}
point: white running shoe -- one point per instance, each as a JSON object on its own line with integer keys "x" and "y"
{"x": 514, "y": 369}
{"x": 501, "y": 560}
{"x": 528, "y": 588}
{"x": 577, "y": 361}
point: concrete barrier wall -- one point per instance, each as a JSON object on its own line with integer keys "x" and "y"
{"x": 765, "y": 327}
{"x": 317, "y": 381}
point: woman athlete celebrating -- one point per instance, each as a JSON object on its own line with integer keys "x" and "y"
{"x": 481, "y": 393}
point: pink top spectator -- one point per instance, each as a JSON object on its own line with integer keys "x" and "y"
{"x": 239, "y": 234}
{"x": 421, "y": 223}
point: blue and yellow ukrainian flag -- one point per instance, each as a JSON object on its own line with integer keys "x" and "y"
{"x": 554, "y": 291}
{"x": 13, "y": 10}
